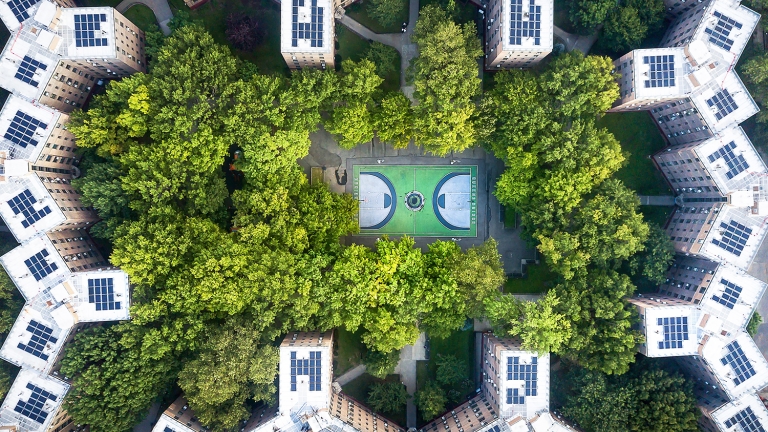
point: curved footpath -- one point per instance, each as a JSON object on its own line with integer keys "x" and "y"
{"x": 160, "y": 8}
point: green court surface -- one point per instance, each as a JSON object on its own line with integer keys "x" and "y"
{"x": 420, "y": 201}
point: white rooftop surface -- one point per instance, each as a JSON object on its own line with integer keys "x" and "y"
{"x": 37, "y": 335}
{"x": 743, "y": 173}
{"x": 9, "y": 17}
{"x": 731, "y": 9}
{"x": 716, "y": 116}
{"x": 88, "y": 310}
{"x": 732, "y": 379}
{"x": 302, "y": 398}
{"x": 518, "y": 424}
{"x": 454, "y": 201}
{"x": 27, "y": 42}
{"x": 66, "y": 30}
{"x": 165, "y": 422}
{"x": 376, "y": 200}
{"x": 21, "y": 137}
{"x": 304, "y": 15}
{"x": 528, "y": 42}
{"x": 20, "y": 394}
{"x": 532, "y": 404}
{"x": 23, "y": 277}
{"x": 728, "y": 308}
{"x": 668, "y": 338}
{"x": 659, "y": 79}
{"x": 720, "y": 234}
{"x": 27, "y": 208}
{"x": 12, "y": 167}
{"x": 743, "y": 409}
{"x": 546, "y": 423}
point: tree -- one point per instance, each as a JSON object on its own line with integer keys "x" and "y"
{"x": 754, "y": 323}
{"x": 480, "y": 273}
{"x": 624, "y": 29}
{"x": 657, "y": 255}
{"x": 393, "y": 120}
{"x": 383, "y": 56}
{"x": 351, "y": 119}
{"x": 450, "y": 370}
{"x": 385, "y": 12}
{"x": 446, "y": 83}
{"x": 101, "y": 187}
{"x": 430, "y": 400}
{"x": 586, "y": 15}
{"x": 387, "y": 397}
{"x": 541, "y": 326}
{"x": 232, "y": 366}
{"x": 244, "y": 32}
{"x": 379, "y": 364}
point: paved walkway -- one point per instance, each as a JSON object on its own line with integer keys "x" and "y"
{"x": 579, "y": 42}
{"x": 409, "y": 355}
{"x": 350, "y": 375}
{"x": 160, "y": 7}
{"x": 662, "y": 201}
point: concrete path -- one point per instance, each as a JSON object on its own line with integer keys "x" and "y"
{"x": 578, "y": 42}
{"x": 160, "y": 7}
{"x": 350, "y": 375}
{"x": 406, "y": 368}
{"x": 149, "y": 421}
{"x": 663, "y": 201}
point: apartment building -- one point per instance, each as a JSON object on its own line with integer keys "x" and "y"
{"x": 519, "y": 33}
{"x": 307, "y": 33}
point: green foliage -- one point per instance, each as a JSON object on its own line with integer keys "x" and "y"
{"x": 656, "y": 257}
{"x": 586, "y": 15}
{"x": 383, "y": 56}
{"x": 379, "y": 364}
{"x": 450, "y": 370}
{"x": 388, "y": 397}
{"x": 623, "y": 30}
{"x": 754, "y": 323}
{"x": 541, "y": 325}
{"x": 351, "y": 119}
{"x": 11, "y": 303}
{"x": 647, "y": 399}
{"x": 430, "y": 400}
{"x": 154, "y": 40}
{"x": 446, "y": 83}
{"x": 386, "y": 12}
{"x": 393, "y": 120}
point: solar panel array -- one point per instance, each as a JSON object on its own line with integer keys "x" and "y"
{"x": 720, "y": 34}
{"x": 736, "y": 164}
{"x": 747, "y": 419}
{"x": 724, "y": 103}
{"x": 730, "y": 295}
{"x": 26, "y": 71}
{"x": 312, "y": 30}
{"x": 734, "y": 238}
{"x": 520, "y": 28}
{"x": 742, "y": 368}
{"x": 167, "y": 429}
{"x": 102, "y": 293}
{"x": 22, "y": 129}
{"x": 310, "y": 367}
{"x": 32, "y": 408}
{"x": 662, "y": 72}
{"x": 514, "y": 397}
{"x": 675, "y": 332}
{"x": 39, "y": 267}
{"x": 86, "y": 28}
{"x": 41, "y": 336}
{"x": 22, "y": 204}
{"x": 20, "y": 8}
{"x": 525, "y": 372}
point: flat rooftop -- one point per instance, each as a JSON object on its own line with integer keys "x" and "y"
{"x": 740, "y": 414}
{"x": 724, "y": 102}
{"x": 35, "y": 266}
{"x": 27, "y": 208}
{"x": 306, "y": 26}
{"x": 736, "y": 362}
{"x": 102, "y": 295}
{"x": 32, "y": 401}
{"x": 660, "y": 73}
{"x": 28, "y": 60}
{"x": 15, "y": 12}
{"x": 730, "y": 299}
{"x": 87, "y": 33}
{"x": 735, "y": 236}
{"x": 726, "y": 28}
{"x": 528, "y": 25}
{"x": 24, "y": 126}
{"x": 732, "y": 160}
{"x": 524, "y": 384}
{"x": 670, "y": 330}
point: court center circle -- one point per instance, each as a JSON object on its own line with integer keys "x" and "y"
{"x": 414, "y": 201}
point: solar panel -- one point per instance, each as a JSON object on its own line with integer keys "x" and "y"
{"x": 514, "y": 397}
{"x": 22, "y": 129}
{"x": 20, "y": 8}
{"x": 310, "y": 367}
{"x": 22, "y": 204}
{"x": 88, "y": 28}
{"x": 102, "y": 293}
{"x": 313, "y": 30}
{"x": 32, "y": 408}
{"x": 719, "y": 35}
{"x": 736, "y": 164}
{"x": 167, "y": 429}
{"x": 662, "y": 72}
{"x": 26, "y": 71}
{"x": 742, "y": 368}
{"x": 524, "y": 372}
{"x": 39, "y": 267}
{"x": 524, "y": 25}
{"x": 747, "y": 419}
{"x": 734, "y": 238}
{"x": 41, "y": 336}
{"x": 730, "y": 294}
{"x": 723, "y": 104}
{"x": 675, "y": 332}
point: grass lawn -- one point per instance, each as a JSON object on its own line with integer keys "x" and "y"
{"x": 640, "y": 138}
{"x": 213, "y": 16}
{"x": 537, "y": 281}
{"x": 351, "y": 46}
{"x": 655, "y": 214}
{"x": 460, "y": 344}
{"x": 359, "y": 12}
{"x": 510, "y": 218}
{"x": 349, "y": 351}
{"x": 142, "y": 16}
{"x": 465, "y": 12}
{"x": 359, "y": 387}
